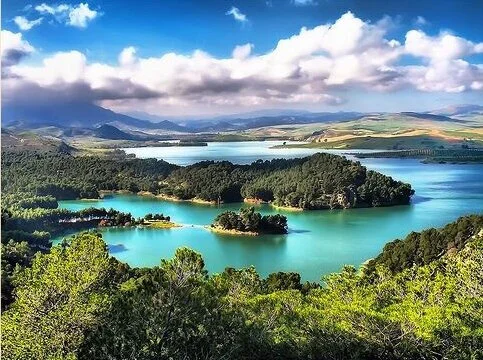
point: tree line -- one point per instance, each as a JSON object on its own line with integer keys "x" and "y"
{"x": 320, "y": 181}
{"x": 247, "y": 220}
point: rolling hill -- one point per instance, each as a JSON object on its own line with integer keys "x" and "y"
{"x": 77, "y": 115}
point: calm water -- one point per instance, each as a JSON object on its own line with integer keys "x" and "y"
{"x": 319, "y": 242}
{"x": 244, "y": 152}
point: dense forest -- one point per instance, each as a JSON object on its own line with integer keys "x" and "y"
{"x": 65, "y": 176}
{"x": 431, "y": 155}
{"x": 421, "y": 248}
{"x": 77, "y": 302}
{"x": 247, "y": 220}
{"x": 320, "y": 181}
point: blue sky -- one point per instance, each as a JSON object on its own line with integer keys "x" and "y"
{"x": 98, "y": 31}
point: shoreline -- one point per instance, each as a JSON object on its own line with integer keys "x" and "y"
{"x": 277, "y": 207}
{"x": 160, "y": 224}
{"x": 289, "y": 208}
{"x": 193, "y": 200}
{"x": 219, "y": 230}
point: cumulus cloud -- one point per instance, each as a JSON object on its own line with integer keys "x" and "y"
{"x": 13, "y": 48}
{"x": 24, "y": 24}
{"x": 314, "y": 66}
{"x": 79, "y": 16}
{"x": 443, "y": 47}
{"x": 445, "y": 68}
{"x": 73, "y": 15}
{"x": 127, "y": 57}
{"x": 242, "y": 51}
{"x": 237, "y": 14}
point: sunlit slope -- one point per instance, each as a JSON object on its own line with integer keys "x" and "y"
{"x": 385, "y": 131}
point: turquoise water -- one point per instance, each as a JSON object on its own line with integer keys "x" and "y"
{"x": 318, "y": 242}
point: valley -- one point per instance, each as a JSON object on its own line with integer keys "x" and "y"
{"x": 456, "y": 128}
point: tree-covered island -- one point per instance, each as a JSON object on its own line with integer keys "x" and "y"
{"x": 320, "y": 181}
{"x": 247, "y": 221}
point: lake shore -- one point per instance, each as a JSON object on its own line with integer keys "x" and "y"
{"x": 288, "y": 208}
{"x": 160, "y": 224}
{"x": 277, "y": 207}
{"x": 219, "y": 230}
{"x": 193, "y": 200}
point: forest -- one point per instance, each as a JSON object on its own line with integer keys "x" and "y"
{"x": 320, "y": 181}
{"x": 65, "y": 176}
{"x": 78, "y": 302}
{"x": 247, "y": 220}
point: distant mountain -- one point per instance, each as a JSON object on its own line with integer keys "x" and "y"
{"x": 459, "y": 110}
{"x": 113, "y": 133}
{"x": 262, "y": 113}
{"x": 264, "y": 121}
{"x": 77, "y": 115}
{"x": 427, "y": 116}
{"x": 80, "y": 118}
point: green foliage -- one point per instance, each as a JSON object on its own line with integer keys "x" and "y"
{"x": 159, "y": 217}
{"x": 68, "y": 177}
{"x": 321, "y": 181}
{"x": 423, "y": 247}
{"x": 76, "y": 303}
{"x": 15, "y": 256}
{"x": 58, "y": 299}
{"x": 250, "y": 221}
{"x": 170, "y": 312}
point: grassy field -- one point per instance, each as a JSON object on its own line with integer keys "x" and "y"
{"x": 376, "y": 131}
{"x": 384, "y": 132}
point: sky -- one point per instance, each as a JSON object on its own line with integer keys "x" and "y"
{"x": 212, "y": 57}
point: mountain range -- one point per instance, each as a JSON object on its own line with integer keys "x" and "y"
{"x": 74, "y": 118}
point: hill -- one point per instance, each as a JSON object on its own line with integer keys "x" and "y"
{"x": 76, "y": 115}
{"x": 32, "y": 142}
{"x": 113, "y": 133}
{"x": 459, "y": 110}
{"x": 406, "y": 130}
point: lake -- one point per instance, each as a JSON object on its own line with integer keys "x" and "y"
{"x": 318, "y": 242}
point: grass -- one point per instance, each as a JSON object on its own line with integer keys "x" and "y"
{"x": 388, "y": 143}
{"x": 160, "y": 224}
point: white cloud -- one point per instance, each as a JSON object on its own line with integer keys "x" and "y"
{"x": 13, "y": 48}
{"x": 73, "y": 15}
{"x": 420, "y": 21}
{"x": 445, "y": 70}
{"x": 81, "y": 15}
{"x": 444, "y": 46}
{"x": 52, "y": 10}
{"x": 312, "y": 67}
{"x": 241, "y": 52}
{"x": 127, "y": 57}
{"x": 304, "y": 2}
{"x": 237, "y": 14}
{"x": 24, "y": 24}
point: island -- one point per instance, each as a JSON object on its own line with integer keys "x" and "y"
{"x": 461, "y": 156}
{"x": 249, "y": 222}
{"x": 158, "y": 221}
{"x": 319, "y": 181}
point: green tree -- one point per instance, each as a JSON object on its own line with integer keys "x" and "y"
{"x": 59, "y": 298}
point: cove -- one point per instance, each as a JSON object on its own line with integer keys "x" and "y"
{"x": 318, "y": 242}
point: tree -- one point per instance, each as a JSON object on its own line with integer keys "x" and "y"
{"x": 59, "y": 298}
{"x": 169, "y": 312}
